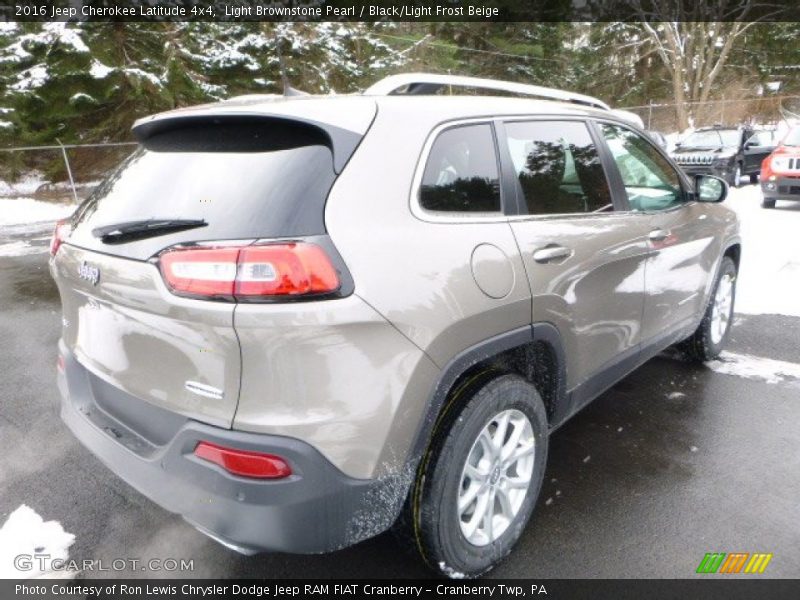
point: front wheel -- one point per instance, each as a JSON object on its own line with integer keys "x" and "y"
{"x": 711, "y": 336}
{"x": 753, "y": 177}
{"x": 477, "y": 487}
{"x": 768, "y": 203}
{"x": 735, "y": 177}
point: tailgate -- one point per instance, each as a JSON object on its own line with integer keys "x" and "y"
{"x": 125, "y": 327}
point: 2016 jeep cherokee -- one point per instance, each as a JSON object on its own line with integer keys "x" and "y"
{"x": 298, "y": 322}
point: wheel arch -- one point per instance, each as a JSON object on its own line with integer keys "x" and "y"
{"x": 535, "y": 352}
{"x": 734, "y": 250}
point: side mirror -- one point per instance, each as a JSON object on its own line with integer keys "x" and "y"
{"x": 750, "y": 144}
{"x": 709, "y": 188}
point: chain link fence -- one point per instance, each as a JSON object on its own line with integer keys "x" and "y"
{"x": 58, "y": 171}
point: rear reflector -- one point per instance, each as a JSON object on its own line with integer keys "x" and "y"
{"x": 60, "y": 233}
{"x": 243, "y": 462}
{"x": 250, "y": 272}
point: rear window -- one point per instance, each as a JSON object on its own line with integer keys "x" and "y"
{"x": 247, "y": 179}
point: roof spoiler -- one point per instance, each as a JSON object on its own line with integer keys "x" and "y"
{"x": 343, "y": 142}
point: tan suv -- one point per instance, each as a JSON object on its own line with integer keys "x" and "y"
{"x": 300, "y": 321}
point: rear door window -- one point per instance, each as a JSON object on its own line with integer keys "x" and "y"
{"x": 557, "y": 167}
{"x": 462, "y": 174}
{"x": 249, "y": 179}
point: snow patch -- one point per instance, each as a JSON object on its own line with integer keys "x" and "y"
{"x": 769, "y": 276}
{"x": 98, "y": 70}
{"x": 675, "y": 395}
{"x": 31, "y": 79}
{"x": 755, "y": 367}
{"x": 450, "y": 572}
{"x": 25, "y": 532}
{"x": 68, "y": 36}
{"x": 16, "y": 211}
{"x": 25, "y": 186}
{"x": 21, "y": 248}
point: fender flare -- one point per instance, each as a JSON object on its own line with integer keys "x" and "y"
{"x": 459, "y": 364}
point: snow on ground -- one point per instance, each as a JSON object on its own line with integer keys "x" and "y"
{"x": 769, "y": 276}
{"x": 25, "y": 186}
{"x": 20, "y": 211}
{"x": 755, "y": 367}
{"x": 26, "y": 533}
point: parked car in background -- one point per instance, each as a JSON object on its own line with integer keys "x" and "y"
{"x": 780, "y": 171}
{"x": 728, "y": 152}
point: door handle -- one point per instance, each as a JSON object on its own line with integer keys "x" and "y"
{"x": 658, "y": 235}
{"x": 550, "y": 253}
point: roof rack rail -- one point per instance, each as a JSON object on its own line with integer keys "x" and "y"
{"x": 430, "y": 83}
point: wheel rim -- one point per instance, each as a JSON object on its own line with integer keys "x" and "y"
{"x": 721, "y": 311}
{"x": 496, "y": 477}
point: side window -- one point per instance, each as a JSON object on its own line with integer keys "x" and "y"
{"x": 761, "y": 138}
{"x": 461, "y": 174}
{"x": 558, "y": 167}
{"x": 651, "y": 183}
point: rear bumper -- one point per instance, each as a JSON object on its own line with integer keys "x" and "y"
{"x": 316, "y": 509}
{"x": 781, "y": 188}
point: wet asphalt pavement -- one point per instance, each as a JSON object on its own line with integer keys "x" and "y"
{"x": 673, "y": 462}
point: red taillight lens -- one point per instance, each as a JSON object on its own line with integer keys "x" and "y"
{"x": 243, "y": 462}
{"x": 293, "y": 269}
{"x": 60, "y": 233}
{"x": 285, "y": 269}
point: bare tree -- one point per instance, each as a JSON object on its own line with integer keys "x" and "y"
{"x": 694, "y": 41}
{"x": 694, "y": 55}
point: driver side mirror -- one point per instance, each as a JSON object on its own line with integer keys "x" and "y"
{"x": 709, "y": 188}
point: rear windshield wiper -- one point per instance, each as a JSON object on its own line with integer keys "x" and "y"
{"x": 137, "y": 230}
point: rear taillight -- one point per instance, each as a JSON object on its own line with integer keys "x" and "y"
{"x": 243, "y": 462}
{"x": 250, "y": 272}
{"x": 60, "y": 233}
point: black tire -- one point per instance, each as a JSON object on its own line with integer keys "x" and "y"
{"x": 768, "y": 203}
{"x": 432, "y": 514}
{"x": 700, "y": 346}
{"x": 753, "y": 177}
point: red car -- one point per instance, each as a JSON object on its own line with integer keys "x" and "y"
{"x": 780, "y": 171}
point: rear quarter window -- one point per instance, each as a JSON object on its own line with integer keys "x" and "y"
{"x": 461, "y": 172}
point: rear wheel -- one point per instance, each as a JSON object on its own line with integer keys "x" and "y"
{"x": 477, "y": 487}
{"x": 768, "y": 203}
{"x": 711, "y": 336}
